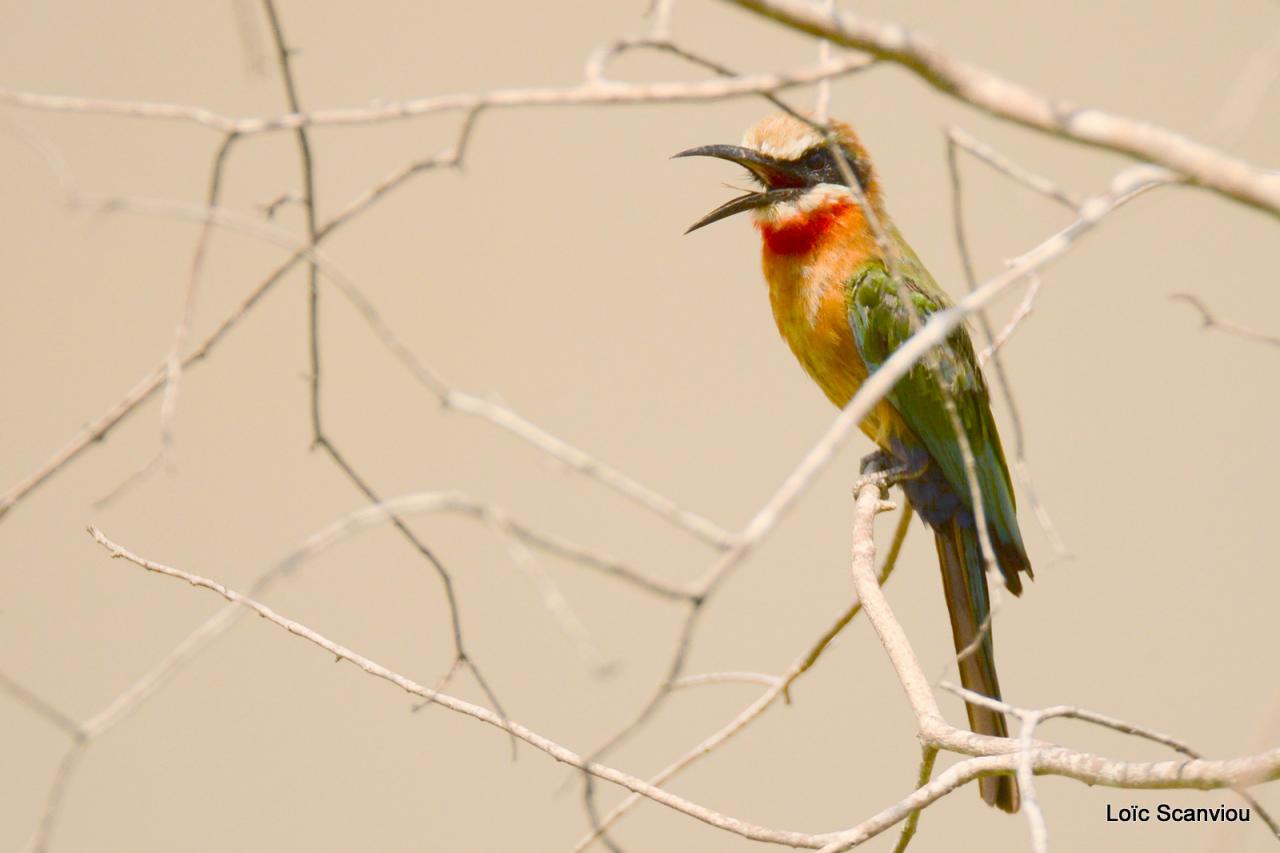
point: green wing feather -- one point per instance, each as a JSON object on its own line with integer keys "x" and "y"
{"x": 883, "y": 315}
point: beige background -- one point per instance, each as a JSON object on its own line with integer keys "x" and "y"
{"x": 553, "y": 274}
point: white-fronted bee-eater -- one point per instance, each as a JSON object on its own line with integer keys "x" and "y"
{"x": 844, "y": 301}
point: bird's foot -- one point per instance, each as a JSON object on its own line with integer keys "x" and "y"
{"x": 885, "y": 470}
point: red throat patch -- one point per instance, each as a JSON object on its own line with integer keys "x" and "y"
{"x": 801, "y": 233}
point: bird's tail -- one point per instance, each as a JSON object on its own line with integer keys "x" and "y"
{"x": 965, "y": 586}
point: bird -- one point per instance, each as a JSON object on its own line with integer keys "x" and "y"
{"x": 846, "y": 291}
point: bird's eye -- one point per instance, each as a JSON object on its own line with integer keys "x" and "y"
{"x": 819, "y": 160}
{"x": 822, "y": 167}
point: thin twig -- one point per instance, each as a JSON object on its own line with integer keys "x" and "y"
{"x": 455, "y": 502}
{"x": 1124, "y": 727}
{"x": 308, "y": 200}
{"x": 705, "y": 678}
{"x": 97, "y": 430}
{"x": 928, "y": 756}
{"x": 822, "y": 100}
{"x": 450, "y": 399}
{"x": 957, "y": 139}
{"x": 781, "y": 689}
{"x": 1022, "y": 312}
{"x": 320, "y": 438}
{"x": 958, "y": 136}
{"x": 1209, "y": 320}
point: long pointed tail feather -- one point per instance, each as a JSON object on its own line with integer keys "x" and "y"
{"x": 965, "y": 586}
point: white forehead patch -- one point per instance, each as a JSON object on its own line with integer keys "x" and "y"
{"x": 782, "y": 137}
{"x": 789, "y": 148}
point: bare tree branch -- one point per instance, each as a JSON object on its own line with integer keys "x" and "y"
{"x": 1200, "y": 164}
{"x": 484, "y": 715}
{"x": 586, "y": 94}
{"x": 1176, "y": 159}
{"x": 991, "y": 755}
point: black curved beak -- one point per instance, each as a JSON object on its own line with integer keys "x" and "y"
{"x": 785, "y": 181}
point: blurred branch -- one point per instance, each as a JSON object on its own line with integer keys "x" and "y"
{"x": 706, "y": 678}
{"x": 173, "y": 364}
{"x": 1246, "y": 96}
{"x": 1209, "y": 320}
{"x": 958, "y": 139}
{"x": 1047, "y": 187}
{"x": 584, "y": 94}
{"x": 62, "y": 775}
{"x": 98, "y": 429}
{"x": 454, "y": 502}
{"x": 451, "y": 399}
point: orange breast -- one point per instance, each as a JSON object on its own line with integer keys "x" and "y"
{"x": 806, "y": 291}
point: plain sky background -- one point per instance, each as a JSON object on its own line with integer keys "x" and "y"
{"x": 553, "y": 275}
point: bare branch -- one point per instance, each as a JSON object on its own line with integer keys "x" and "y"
{"x": 450, "y": 399}
{"x": 726, "y": 678}
{"x": 173, "y": 364}
{"x": 484, "y": 715}
{"x": 1106, "y": 721}
{"x": 1012, "y": 170}
{"x": 571, "y": 456}
{"x": 1201, "y": 164}
{"x": 143, "y": 390}
{"x": 1177, "y": 158}
{"x": 992, "y": 754}
{"x": 454, "y": 502}
{"x": 586, "y": 94}
{"x": 780, "y": 689}
{"x": 1023, "y": 311}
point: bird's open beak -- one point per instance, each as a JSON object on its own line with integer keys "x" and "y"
{"x": 785, "y": 181}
